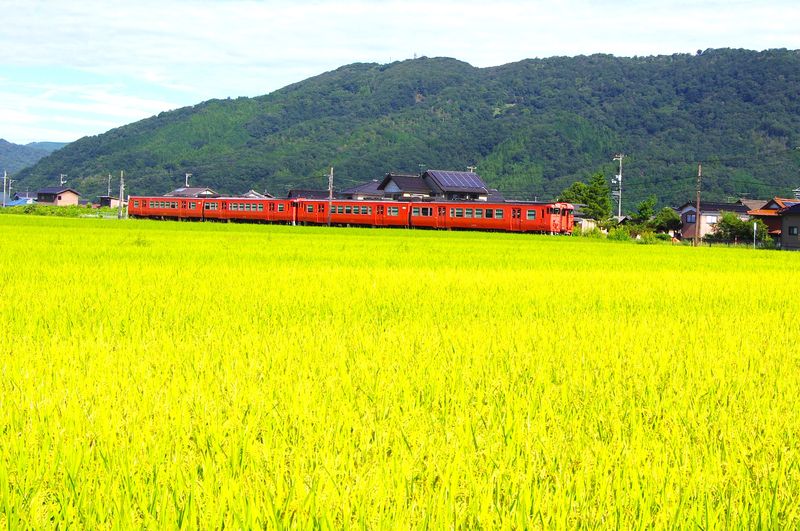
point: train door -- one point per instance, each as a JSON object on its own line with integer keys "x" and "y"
{"x": 516, "y": 219}
{"x": 441, "y": 217}
{"x": 379, "y": 213}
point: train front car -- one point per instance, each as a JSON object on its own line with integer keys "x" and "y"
{"x": 565, "y": 214}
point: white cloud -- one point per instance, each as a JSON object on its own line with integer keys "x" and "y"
{"x": 186, "y": 51}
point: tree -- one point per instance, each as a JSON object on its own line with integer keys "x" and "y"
{"x": 596, "y": 196}
{"x": 645, "y": 210}
{"x": 731, "y": 229}
{"x": 666, "y": 220}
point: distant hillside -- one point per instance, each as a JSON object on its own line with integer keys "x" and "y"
{"x": 14, "y": 157}
{"x": 531, "y": 127}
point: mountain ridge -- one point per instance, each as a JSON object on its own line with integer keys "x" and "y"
{"x": 532, "y": 127}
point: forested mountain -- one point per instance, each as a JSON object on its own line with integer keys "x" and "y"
{"x": 14, "y": 157}
{"x": 531, "y": 127}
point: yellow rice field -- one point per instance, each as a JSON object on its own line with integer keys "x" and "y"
{"x": 186, "y": 375}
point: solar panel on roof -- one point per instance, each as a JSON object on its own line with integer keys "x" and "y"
{"x": 458, "y": 179}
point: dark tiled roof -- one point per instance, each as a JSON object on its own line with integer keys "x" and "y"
{"x": 710, "y": 206}
{"x": 370, "y": 187}
{"x": 56, "y": 190}
{"x": 25, "y": 195}
{"x": 495, "y": 196}
{"x": 457, "y": 181}
{"x": 406, "y": 183}
{"x": 307, "y": 194}
{"x": 794, "y": 209}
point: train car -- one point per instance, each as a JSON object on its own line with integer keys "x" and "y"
{"x": 551, "y": 218}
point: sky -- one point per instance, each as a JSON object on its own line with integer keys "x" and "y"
{"x": 72, "y": 68}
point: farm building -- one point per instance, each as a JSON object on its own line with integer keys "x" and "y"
{"x": 58, "y": 196}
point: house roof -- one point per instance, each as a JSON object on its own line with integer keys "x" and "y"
{"x": 406, "y": 183}
{"x": 495, "y": 196}
{"x": 307, "y": 194}
{"x": 370, "y": 187}
{"x": 457, "y": 181}
{"x": 192, "y": 191}
{"x": 773, "y": 206}
{"x": 711, "y": 206}
{"x": 754, "y": 204}
{"x": 25, "y": 195}
{"x": 252, "y": 194}
{"x": 57, "y": 190}
{"x": 792, "y": 210}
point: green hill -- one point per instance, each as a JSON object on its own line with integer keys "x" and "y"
{"x": 14, "y": 157}
{"x": 531, "y": 127}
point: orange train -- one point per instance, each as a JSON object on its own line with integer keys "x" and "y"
{"x": 549, "y": 218}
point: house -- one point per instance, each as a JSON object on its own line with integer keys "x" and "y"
{"x": 192, "y": 192}
{"x": 710, "y": 213}
{"x": 456, "y": 185}
{"x": 57, "y": 196}
{"x": 109, "y": 201}
{"x": 403, "y": 186}
{"x": 790, "y": 227}
{"x": 307, "y": 194}
{"x": 769, "y": 213}
{"x": 364, "y": 191}
{"x": 28, "y": 198}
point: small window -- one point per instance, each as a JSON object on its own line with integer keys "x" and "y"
{"x": 340, "y": 209}
{"x": 415, "y": 211}
{"x": 261, "y": 207}
{"x": 711, "y": 219}
{"x": 459, "y": 212}
{"x": 427, "y": 211}
{"x": 348, "y": 209}
{"x": 478, "y": 212}
{"x": 309, "y": 208}
{"x": 691, "y": 218}
{"x": 281, "y": 207}
{"x": 531, "y": 215}
{"x": 369, "y": 210}
{"x": 792, "y": 231}
{"x": 234, "y": 207}
{"x": 364, "y": 210}
{"x": 452, "y": 212}
{"x": 192, "y": 205}
{"x": 136, "y": 204}
{"x": 498, "y": 213}
{"x": 392, "y": 211}
{"x": 151, "y": 204}
{"x": 468, "y": 213}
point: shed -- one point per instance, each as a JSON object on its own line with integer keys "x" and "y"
{"x": 57, "y": 196}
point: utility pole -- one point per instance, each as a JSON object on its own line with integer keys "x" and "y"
{"x": 618, "y": 193}
{"x": 109, "y": 186}
{"x": 62, "y": 179}
{"x": 186, "y": 180}
{"x": 330, "y": 195}
{"x": 472, "y": 169}
{"x": 697, "y": 206}
{"x": 5, "y": 178}
{"x": 121, "y": 193}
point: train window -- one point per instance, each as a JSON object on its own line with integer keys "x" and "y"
{"x": 234, "y": 207}
{"x": 364, "y": 210}
{"x": 498, "y": 214}
{"x": 309, "y": 208}
{"x": 175, "y": 204}
{"x": 261, "y": 207}
{"x": 281, "y": 207}
{"x": 136, "y": 204}
{"x": 489, "y": 213}
{"x": 556, "y": 211}
{"x": 452, "y": 212}
{"x": 415, "y": 211}
{"x": 340, "y": 209}
{"x": 192, "y": 205}
{"x": 478, "y": 212}
{"x": 348, "y": 209}
{"x": 468, "y": 213}
{"x": 531, "y": 215}
{"x": 392, "y": 211}
{"x": 427, "y": 211}
{"x": 459, "y": 212}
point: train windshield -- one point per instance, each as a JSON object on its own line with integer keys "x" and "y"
{"x": 556, "y": 211}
